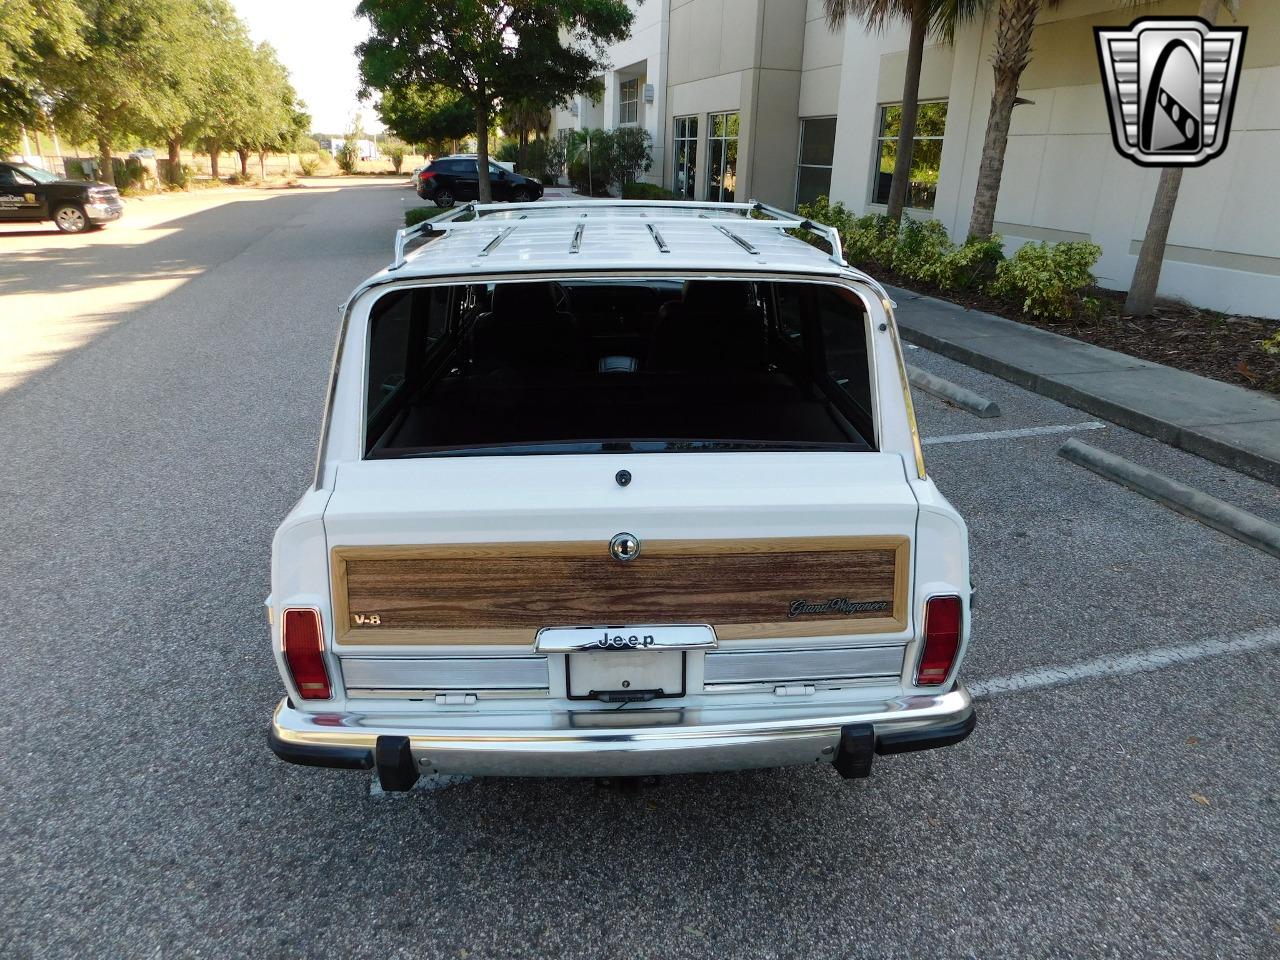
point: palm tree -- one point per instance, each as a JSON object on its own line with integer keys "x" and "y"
{"x": 942, "y": 16}
{"x": 1015, "y": 24}
{"x": 1146, "y": 274}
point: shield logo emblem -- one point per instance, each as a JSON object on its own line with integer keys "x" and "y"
{"x": 1171, "y": 87}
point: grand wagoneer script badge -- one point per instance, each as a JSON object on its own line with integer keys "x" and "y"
{"x": 800, "y": 608}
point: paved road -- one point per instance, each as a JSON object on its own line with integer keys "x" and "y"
{"x": 141, "y": 814}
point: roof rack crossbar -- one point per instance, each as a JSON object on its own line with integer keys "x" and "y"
{"x": 493, "y": 244}
{"x": 657, "y": 238}
{"x": 830, "y": 234}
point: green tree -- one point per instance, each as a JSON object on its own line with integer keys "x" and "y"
{"x": 432, "y": 116}
{"x": 119, "y": 83}
{"x": 941, "y": 16}
{"x": 1015, "y": 23}
{"x": 30, "y": 33}
{"x": 486, "y": 50}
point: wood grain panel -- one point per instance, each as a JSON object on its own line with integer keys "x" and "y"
{"x": 503, "y": 593}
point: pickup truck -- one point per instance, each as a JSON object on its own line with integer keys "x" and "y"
{"x": 618, "y": 489}
{"x": 29, "y": 194}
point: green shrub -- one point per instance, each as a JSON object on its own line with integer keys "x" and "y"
{"x": 508, "y": 150}
{"x": 415, "y": 215}
{"x": 348, "y": 156}
{"x": 640, "y": 190}
{"x": 1048, "y": 279}
{"x": 75, "y": 169}
{"x": 1271, "y": 345}
{"x": 544, "y": 160}
{"x": 309, "y": 165}
{"x": 920, "y": 248}
{"x": 969, "y": 266}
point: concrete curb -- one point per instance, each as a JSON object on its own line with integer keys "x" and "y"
{"x": 978, "y": 349}
{"x": 1210, "y": 511}
{"x": 975, "y": 403}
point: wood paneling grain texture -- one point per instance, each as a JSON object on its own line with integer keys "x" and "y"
{"x": 504, "y": 593}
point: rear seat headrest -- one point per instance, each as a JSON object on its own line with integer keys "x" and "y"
{"x": 531, "y": 299}
{"x": 718, "y": 295}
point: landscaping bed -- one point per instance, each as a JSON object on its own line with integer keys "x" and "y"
{"x": 1052, "y": 286}
{"x": 1217, "y": 345}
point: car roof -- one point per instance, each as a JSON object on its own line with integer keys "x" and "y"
{"x": 587, "y": 236}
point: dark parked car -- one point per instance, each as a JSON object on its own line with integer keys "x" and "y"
{"x": 30, "y": 194}
{"x": 451, "y": 179}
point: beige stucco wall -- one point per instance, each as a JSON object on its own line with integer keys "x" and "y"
{"x": 1063, "y": 178}
{"x": 744, "y": 56}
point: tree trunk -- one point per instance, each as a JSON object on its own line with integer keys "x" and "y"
{"x": 244, "y": 163}
{"x": 1146, "y": 274}
{"x": 215, "y": 148}
{"x": 482, "y": 148}
{"x": 1017, "y": 20}
{"x": 262, "y": 163}
{"x": 910, "y": 109}
{"x": 523, "y": 155}
{"x": 175, "y": 161}
{"x": 991, "y": 167}
{"x": 106, "y": 172}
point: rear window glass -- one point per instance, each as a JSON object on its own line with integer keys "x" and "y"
{"x": 617, "y": 366}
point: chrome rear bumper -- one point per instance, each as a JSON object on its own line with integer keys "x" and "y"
{"x": 639, "y": 741}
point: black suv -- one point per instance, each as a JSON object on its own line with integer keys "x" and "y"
{"x": 451, "y": 179}
{"x": 29, "y": 194}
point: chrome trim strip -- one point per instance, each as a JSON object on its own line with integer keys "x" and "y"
{"x": 446, "y": 673}
{"x": 626, "y": 637}
{"x": 770, "y": 666}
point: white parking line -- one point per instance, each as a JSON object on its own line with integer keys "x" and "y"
{"x": 1144, "y": 662}
{"x": 1014, "y": 434}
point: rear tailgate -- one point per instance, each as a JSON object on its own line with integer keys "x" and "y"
{"x": 468, "y": 553}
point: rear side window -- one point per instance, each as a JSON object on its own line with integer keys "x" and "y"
{"x": 827, "y": 327}
{"x": 406, "y": 331}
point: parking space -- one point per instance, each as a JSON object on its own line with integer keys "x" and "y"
{"x": 142, "y": 815}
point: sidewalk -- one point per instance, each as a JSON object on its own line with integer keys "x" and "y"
{"x": 1219, "y": 421}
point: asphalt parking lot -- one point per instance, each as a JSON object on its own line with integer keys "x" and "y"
{"x": 1120, "y": 814}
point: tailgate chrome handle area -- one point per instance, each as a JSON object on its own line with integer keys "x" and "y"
{"x": 628, "y": 637}
{"x": 795, "y": 690}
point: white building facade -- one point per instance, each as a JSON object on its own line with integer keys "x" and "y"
{"x": 634, "y": 88}
{"x": 762, "y": 99}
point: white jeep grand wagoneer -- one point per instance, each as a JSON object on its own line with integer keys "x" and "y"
{"x": 613, "y": 489}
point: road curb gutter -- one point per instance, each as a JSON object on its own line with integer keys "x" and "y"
{"x": 975, "y": 403}
{"x": 1210, "y": 511}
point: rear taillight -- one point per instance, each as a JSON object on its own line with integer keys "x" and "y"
{"x": 941, "y": 640}
{"x": 304, "y": 652}
{"x": 425, "y": 175}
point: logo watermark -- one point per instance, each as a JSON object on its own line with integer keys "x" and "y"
{"x": 1171, "y": 86}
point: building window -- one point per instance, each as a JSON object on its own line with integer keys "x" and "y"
{"x": 629, "y": 101}
{"x": 926, "y": 156}
{"x": 722, "y": 139}
{"x": 817, "y": 152}
{"x": 685, "y": 172}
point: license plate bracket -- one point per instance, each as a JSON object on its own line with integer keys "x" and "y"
{"x": 622, "y": 676}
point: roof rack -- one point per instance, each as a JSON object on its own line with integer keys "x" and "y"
{"x": 652, "y": 212}
{"x": 427, "y": 228}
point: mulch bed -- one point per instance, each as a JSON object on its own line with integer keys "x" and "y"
{"x": 1218, "y": 345}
